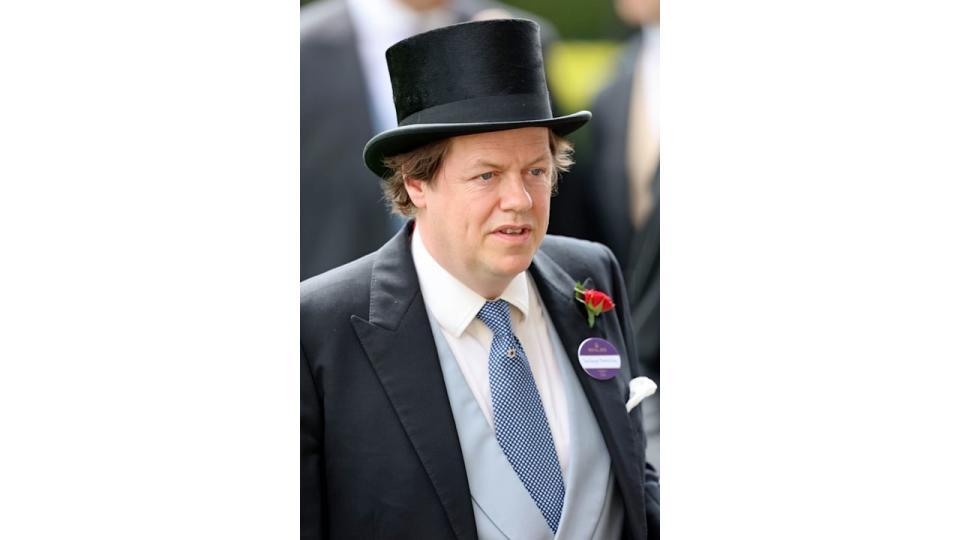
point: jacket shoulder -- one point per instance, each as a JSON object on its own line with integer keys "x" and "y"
{"x": 342, "y": 289}
{"x": 583, "y": 259}
{"x": 566, "y": 250}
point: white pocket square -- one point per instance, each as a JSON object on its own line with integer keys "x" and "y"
{"x": 640, "y": 388}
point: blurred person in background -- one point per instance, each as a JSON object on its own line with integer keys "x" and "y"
{"x": 612, "y": 195}
{"x": 626, "y": 140}
{"x": 345, "y": 98}
{"x": 620, "y": 193}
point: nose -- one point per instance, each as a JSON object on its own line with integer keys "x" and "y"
{"x": 514, "y": 195}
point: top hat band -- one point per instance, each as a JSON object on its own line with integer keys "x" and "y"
{"x": 507, "y": 108}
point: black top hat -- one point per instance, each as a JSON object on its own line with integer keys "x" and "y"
{"x": 466, "y": 78}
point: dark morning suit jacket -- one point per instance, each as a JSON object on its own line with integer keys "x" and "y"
{"x": 342, "y": 213}
{"x": 380, "y": 456}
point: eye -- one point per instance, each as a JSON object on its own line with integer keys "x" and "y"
{"x": 538, "y": 171}
{"x": 486, "y": 176}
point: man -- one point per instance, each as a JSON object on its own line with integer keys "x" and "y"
{"x": 346, "y": 98}
{"x": 441, "y": 393}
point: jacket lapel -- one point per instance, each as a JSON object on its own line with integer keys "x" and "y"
{"x": 400, "y": 346}
{"x": 607, "y": 398}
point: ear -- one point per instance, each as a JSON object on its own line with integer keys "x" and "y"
{"x": 415, "y": 190}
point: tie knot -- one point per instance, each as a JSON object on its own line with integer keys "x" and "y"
{"x": 496, "y": 315}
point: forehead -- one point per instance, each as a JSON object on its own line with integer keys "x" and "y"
{"x": 508, "y": 145}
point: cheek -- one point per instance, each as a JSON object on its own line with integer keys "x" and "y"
{"x": 474, "y": 225}
{"x": 541, "y": 201}
{"x": 476, "y": 215}
{"x": 541, "y": 189}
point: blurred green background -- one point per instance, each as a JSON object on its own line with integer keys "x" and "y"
{"x": 590, "y": 39}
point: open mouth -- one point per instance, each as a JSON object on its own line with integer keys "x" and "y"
{"x": 513, "y": 233}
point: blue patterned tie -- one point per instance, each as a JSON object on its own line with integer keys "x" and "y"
{"x": 518, "y": 418}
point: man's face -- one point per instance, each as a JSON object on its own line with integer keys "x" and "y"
{"x": 485, "y": 213}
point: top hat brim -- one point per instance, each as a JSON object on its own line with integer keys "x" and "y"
{"x": 406, "y": 138}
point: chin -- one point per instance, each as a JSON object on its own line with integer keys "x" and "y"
{"x": 511, "y": 266}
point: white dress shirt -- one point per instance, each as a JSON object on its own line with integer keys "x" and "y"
{"x": 454, "y": 307}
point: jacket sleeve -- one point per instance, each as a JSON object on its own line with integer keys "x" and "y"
{"x": 313, "y": 519}
{"x": 651, "y": 486}
{"x": 651, "y": 480}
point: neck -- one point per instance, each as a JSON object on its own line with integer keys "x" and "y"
{"x": 490, "y": 287}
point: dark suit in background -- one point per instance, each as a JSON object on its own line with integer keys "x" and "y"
{"x": 341, "y": 216}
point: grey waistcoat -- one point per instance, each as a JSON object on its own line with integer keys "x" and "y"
{"x": 592, "y": 508}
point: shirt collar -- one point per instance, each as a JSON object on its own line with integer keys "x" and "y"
{"x": 453, "y": 304}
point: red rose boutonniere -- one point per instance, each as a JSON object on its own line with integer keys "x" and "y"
{"x": 596, "y": 302}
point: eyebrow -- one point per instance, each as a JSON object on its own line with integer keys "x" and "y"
{"x": 542, "y": 157}
{"x": 483, "y": 164}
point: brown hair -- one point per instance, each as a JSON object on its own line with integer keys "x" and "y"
{"x": 424, "y": 162}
